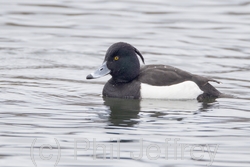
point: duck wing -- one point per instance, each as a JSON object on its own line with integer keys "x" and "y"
{"x": 163, "y": 75}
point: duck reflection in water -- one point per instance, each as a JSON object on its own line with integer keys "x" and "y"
{"x": 125, "y": 112}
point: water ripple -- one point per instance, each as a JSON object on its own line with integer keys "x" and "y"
{"x": 48, "y": 47}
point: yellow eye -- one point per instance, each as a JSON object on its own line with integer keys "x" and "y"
{"x": 116, "y": 58}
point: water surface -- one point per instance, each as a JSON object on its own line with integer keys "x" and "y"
{"x": 48, "y": 47}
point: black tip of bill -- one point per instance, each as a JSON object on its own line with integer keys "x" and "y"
{"x": 89, "y": 76}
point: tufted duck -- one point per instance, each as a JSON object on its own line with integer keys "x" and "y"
{"x": 130, "y": 80}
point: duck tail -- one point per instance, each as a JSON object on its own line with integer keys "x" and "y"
{"x": 211, "y": 93}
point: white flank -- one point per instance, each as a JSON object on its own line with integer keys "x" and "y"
{"x": 182, "y": 91}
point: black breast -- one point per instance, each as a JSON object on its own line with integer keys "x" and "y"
{"x": 129, "y": 90}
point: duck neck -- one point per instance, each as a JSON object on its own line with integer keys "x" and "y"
{"x": 125, "y": 76}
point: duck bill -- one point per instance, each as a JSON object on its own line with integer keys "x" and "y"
{"x": 100, "y": 72}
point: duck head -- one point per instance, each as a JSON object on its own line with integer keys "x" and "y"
{"x": 121, "y": 62}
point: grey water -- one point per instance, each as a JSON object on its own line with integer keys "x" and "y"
{"x": 50, "y": 115}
